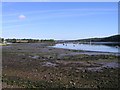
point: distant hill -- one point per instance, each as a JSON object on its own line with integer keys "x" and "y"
{"x": 114, "y": 38}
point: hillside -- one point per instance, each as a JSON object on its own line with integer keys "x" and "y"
{"x": 114, "y": 38}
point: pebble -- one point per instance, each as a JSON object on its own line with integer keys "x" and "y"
{"x": 77, "y": 71}
{"x": 83, "y": 76}
{"x": 44, "y": 76}
{"x": 70, "y": 82}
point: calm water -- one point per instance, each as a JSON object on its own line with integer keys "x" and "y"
{"x": 89, "y": 47}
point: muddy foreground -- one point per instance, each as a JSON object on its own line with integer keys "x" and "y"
{"x": 35, "y": 65}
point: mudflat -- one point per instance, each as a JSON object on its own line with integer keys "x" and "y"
{"x": 37, "y": 65}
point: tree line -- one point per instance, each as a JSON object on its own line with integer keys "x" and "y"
{"x": 26, "y": 40}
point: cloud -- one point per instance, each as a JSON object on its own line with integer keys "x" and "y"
{"x": 22, "y": 17}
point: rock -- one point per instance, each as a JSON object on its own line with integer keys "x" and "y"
{"x": 44, "y": 76}
{"x": 98, "y": 86}
{"x": 74, "y": 83}
{"x": 70, "y": 82}
{"x": 83, "y": 76}
{"x": 23, "y": 58}
{"x": 77, "y": 71}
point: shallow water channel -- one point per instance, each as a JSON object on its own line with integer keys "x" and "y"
{"x": 89, "y": 47}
